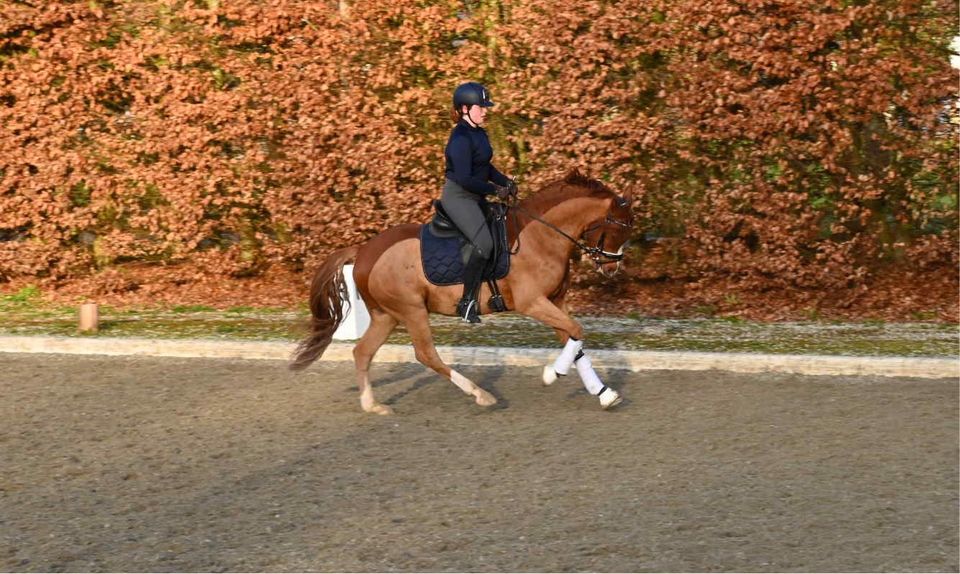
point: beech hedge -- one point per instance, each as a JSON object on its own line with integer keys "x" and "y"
{"x": 782, "y": 143}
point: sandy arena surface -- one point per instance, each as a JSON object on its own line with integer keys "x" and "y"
{"x": 135, "y": 464}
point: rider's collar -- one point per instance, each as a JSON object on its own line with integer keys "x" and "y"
{"x": 464, "y": 122}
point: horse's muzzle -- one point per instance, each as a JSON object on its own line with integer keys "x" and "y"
{"x": 612, "y": 259}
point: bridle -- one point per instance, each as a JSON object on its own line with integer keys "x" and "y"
{"x": 598, "y": 254}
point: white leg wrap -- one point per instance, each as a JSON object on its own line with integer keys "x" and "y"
{"x": 465, "y": 384}
{"x": 562, "y": 365}
{"x": 589, "y": 377}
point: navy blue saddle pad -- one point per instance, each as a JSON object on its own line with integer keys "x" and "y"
{"x": 442, "y": 263}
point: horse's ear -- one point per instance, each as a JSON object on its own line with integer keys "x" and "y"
{"x": 628, "y": 195}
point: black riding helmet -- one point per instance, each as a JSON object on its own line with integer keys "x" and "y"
{"x": 471, "y": 94}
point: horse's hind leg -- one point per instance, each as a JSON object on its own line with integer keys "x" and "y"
{"x": 381, "y": 325}
{"x": 418, "y": 325}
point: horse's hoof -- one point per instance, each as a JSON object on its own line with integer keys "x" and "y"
{"x": 380, "y": 409}
{"x": 609, "y": 398}
{"x": 549, "y": 375}
{"x": 485, "y": 399}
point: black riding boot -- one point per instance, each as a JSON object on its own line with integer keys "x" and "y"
{"x": 469, "y": 307}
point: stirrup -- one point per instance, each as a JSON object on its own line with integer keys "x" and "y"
{"x": 467, "y": 309}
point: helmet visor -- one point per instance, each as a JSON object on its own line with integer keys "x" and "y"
{"x": 484, "y": 98}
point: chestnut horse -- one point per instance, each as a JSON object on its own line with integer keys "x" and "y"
{"x": 543, "y": 230}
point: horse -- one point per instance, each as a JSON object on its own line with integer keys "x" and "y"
{"x": 543, "y": 229}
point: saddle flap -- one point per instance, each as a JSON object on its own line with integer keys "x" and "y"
{"x": 442, "y": 256}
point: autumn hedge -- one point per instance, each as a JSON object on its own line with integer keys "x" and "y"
{"x": 782, "y": 143}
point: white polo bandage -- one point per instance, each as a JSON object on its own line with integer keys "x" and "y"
{"x": 589, "y": 377}
{"x": 567, "y": 355}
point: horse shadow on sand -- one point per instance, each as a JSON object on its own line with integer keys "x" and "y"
{"x": 617, "y": 379}
{"x": 423, "y": 377}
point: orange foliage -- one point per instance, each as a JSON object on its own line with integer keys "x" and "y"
{"x": 780, "y": 145}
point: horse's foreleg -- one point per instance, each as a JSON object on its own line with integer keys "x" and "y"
{"x": 560, "y": 303}
{"x": 546, "y": 312}
{"x": 418, "y": 326}
{"x": 608, "y": 397}
{"x": 568, "y": 331}
{"x": 572, "y": 354}
{"x": 381, "y": 325}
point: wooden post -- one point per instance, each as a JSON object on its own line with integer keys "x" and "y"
{"x": 89, "y": 317}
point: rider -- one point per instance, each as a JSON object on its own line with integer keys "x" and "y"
{"x": 471, "y": 177}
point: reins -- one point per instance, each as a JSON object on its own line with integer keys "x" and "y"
{"x": 596, "y": 253}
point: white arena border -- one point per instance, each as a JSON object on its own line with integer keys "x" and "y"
{"x": 931, "y": 368}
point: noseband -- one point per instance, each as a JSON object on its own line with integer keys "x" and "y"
{"x": 597, "y": 252}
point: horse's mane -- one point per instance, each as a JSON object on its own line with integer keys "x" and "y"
{"x": 575, "y": 184}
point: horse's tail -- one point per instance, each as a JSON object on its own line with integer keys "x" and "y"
{"x": 328, "y": 291}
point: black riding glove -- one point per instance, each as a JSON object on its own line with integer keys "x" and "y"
{"x": 503, "y": 191}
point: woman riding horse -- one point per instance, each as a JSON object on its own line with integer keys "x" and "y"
{"x": 575, "y": 212}
{"x": 471, "y": 177}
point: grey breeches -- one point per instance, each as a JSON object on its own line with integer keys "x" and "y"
{"x": 463, "y": 208}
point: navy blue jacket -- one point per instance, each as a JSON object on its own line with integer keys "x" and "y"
{"x": 468, "y": 156}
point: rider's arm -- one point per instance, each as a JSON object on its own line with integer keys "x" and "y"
{"x": 497, "y": 177}
{"x": 458, "y": 150}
